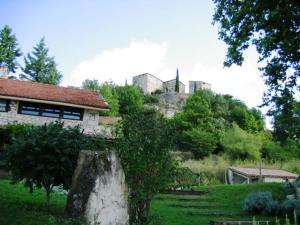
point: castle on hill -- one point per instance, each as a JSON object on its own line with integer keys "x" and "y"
{"x": 150, "y": 83}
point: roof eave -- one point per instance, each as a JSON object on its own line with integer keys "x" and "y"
{"x": 55, "y": 102}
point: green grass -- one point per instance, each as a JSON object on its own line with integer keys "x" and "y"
{"x": 221, "y": 202}
{"x": 19, "y": 207}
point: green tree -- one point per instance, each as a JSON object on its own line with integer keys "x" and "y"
{"x": 273, "y": 28}
{"x": 109, "y": 93}
{"x": 177, "y": 82}
{"x": 45, "y": 156}
{"x": 9, "y": 51}
{"x": 91, "y": 84}
{"x": 144, "y": 141}
{"x": 240, "y": 144}
{"x": 287, "y": 122}
{"x": 39, "y": 67}
{"x": 130, "y": 99}
{"x": 200, "y": 126}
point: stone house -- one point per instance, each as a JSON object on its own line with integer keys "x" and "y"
{"x": 150, "y": 83}
{"x": 38, "y": 103}
{"x": 198, "y": 85}
{"x": 239, "y": 175}
{"x": 169, "y": 86}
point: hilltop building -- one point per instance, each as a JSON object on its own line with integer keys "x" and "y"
{"x": 198, "y": 85}
{"x": 150, "y": 83}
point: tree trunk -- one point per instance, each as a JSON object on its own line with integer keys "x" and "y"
{"x": 48, "y": 192}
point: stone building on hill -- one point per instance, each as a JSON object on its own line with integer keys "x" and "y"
{"x": 150, "y": 83}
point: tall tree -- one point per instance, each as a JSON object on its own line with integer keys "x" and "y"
{"x": 39, "y": 67}
{"x": 130, "y": 99}
{"x": 144, "y": 142}
{"x": 273, "y": 28}
{"x": 177, "y": 82}
{"x": 9, "y": 51}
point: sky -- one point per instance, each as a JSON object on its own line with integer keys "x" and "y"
{"x": 116, "y": 40}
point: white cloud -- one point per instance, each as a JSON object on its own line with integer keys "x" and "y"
{"x": 120, "y": 64}
{"x": 243, "y": 82}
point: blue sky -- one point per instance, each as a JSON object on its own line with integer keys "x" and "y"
{"x": 119, "y": 39}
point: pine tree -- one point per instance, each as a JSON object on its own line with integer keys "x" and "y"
{"x": 9, "y": 50}
{"x": 177, "y": 82}
{"x": 39, "y": 67}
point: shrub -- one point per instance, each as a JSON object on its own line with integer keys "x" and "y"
{"x": 144, "y": 143}
{"x": 289, "y": 206}
{"x": 151, "y": 99}
{"x": 184, "y": 178}
{"x": 240, "y": 144}
{"x": 261, "y": 202}
{"x": 45, "y": 156}
{"x": 273, "y": 152}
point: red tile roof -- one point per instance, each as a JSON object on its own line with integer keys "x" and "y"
{"x": 51, "y": 93}
{"x": 254, "y": 172}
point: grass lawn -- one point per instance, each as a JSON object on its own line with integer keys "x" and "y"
{"x": 19, "y": 207}
{"x": 221, "y": 202}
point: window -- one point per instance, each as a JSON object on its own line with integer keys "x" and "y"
{"x": 51, "y": 111}
{"x": 29, "y": 108}
{"x": 54, "y": 111}
{"x": 72, "y": 114}
{"x": 3, "y": 105}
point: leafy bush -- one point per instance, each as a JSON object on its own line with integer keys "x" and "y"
{"x": 240, "y": 144}
{"x": 184, "y": 178}
{"x": 45, "y": 156}
{"x": 273, "y": 152}
{"x": 144, "y": 143}
{"x": 151, "y": 99}
{"x": 261, "y": 202}
{"x": 289, "y": 206}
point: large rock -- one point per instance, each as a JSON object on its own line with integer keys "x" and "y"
{"x": 98, "y": 192}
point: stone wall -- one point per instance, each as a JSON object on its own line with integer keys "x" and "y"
{"x": 169, "y": 86}
{"x": 170, "y": 103}
{"x": 89, "y": 122}
{"x": 198, "y": 85}
{"x": 148, "y": 83}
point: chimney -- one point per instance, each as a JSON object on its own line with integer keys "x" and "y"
{"x": 3, "y": 72}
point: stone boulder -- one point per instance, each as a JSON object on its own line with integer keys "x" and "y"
{"x": 98, "y": 192}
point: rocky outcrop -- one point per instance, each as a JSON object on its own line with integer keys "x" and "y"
{"x": 98, "y": 192}
{"x": 170, "y": 103}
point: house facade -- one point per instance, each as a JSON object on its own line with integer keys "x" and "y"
{"x": 37, "y": 103}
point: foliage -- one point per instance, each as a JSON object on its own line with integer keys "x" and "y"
{"x": 248, "y": 119}
{"x": 109, "y": 93}
{"x": 239, "y": 144}
{"x": 130, "y": 99}
{"x": 261, "y": 203}
{"x": 144, "y": 140}
{"x": 272, "y": 151}
{"x": 45, "y": 156}
{"x": 199, "y": 127}
{"x": 286, "y": 121}
{"x": 289, "y": 206}
{"x": 183, "y": 178}
{"x": 39, "y": 67}
{"x": 177, "y": 82}
{"x": 9, "y": 51}
{"x": 206, "y": 117}
{"x": 151, "y": 99}
{"x": 273, "y": 28}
